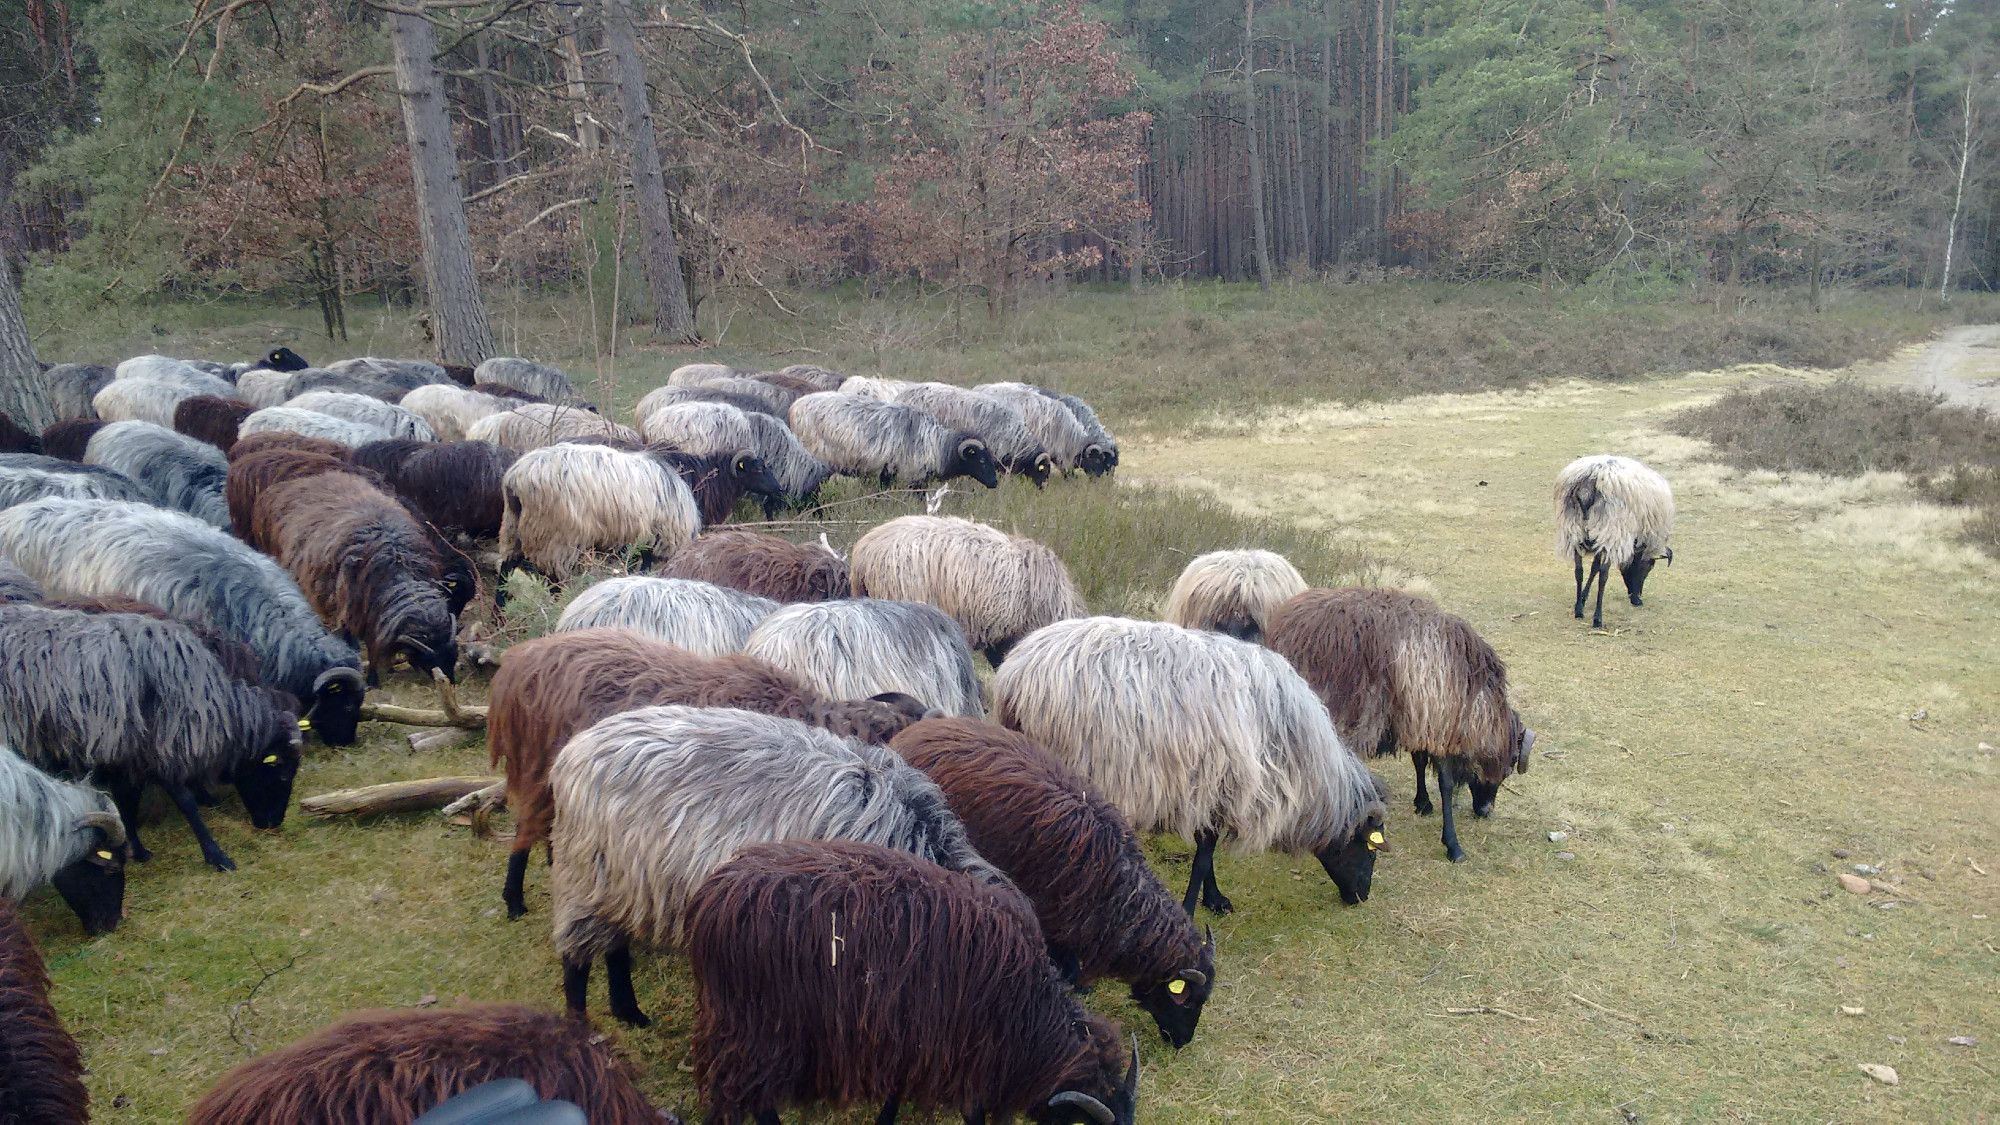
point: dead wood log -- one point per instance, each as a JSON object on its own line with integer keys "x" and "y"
{"x": 394, "y": 796}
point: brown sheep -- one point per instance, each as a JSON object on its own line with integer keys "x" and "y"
{"x": 284, "y": 439}
{"x": 68, "y": 438}
{"x": 211, "y": 418}
{"x": 765, "y": 565}
{"x": 41, "y": 1071}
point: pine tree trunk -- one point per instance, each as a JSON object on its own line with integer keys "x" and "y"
{"x": 458, "y": 316}
{"x": 673, "y": 319}
{"x": 1258, "y": 236}
{"x": 23, "y": 396}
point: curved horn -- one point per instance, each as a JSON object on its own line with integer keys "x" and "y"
{"x": 342, "y": 674}
{"x": 107, "y": 823}
{"x": 1670, "y": 556}
{"x": 1096, "y": 1109}
{"x": 1132, "y": 1075}
{"x": 1208, "y": 938}
{"x": 1527, "y": 746}
{"x": 1194, "y": 977}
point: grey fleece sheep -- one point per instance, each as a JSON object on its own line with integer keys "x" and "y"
{"x": 996, "y": 422}
{"x": 858, "y": 647}
{"x": 31, "y": 476}
{"x": 16, "y": 586}
{"x": 1232, "y": 592}
{"x": 177, "y": 471}
{"x": 660, "y": 397}
{"x": 148, "y": 399}
{"x": 165, "y": 369}
{"x": 566, "y": 500}
{"x": 704, "y": 618}
{"x": 1100, "y": 455}
{"x": 823, "y": 378}
{"x": 534, "y": 425}
{"x": 1049, "y": 420}
{"x": 398, "y": 422}
{"x": 72, "y": 386}
{"x": 450, "y": 409}
{"x": 529, "y": 376}
{"x": 648, "y": 802}
{"x": 408, "y": 374}
{"x": 311, "y": 423}
{"x": 868, "y": 386}
{"x": 866, "y": 437}
{"x": 695, "y": 374}
{"x": 61, "y": 832}
{"x": 998, "y": 587}
{"x": 717, "y": 429}
{"x": 1621, "y": 514}
{"x": 262, "y": 386}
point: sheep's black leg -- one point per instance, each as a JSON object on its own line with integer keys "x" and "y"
{"x": 202, "y": 796}
{"x": 1447, "y": 792}
{"x": 1211, "y": 895}
{"x": 976, "y": 1117}
{"x": 1423, "y": 763}
{"x": 768, "y": 1117}
{"x": 374, "y": 668}
{"x": 1204, "y": 858}
{"x": 514, "y": 892}
{"x": 889, "y": 1109}
{"x": 1578, "y": 556}
{"x": 126, "y": 796}
{"x": 1603, "y": 570}
{"x": 618, "y": 977}
{"x": 576, "y": 986}
{"x": 210, "y": 850}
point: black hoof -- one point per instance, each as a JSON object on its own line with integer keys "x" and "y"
{"x": 1423, "y": 806}
{"x": 1218, "y": 904}
{"x": 221, "y": 862}
{"x": 633, "y": 1018}
{"x": 516, "y": 912}
{"x": 1636, "y": 601}
{"x": 1456, "y": 855}
{"x": 1482, "y": 811}
{"x": 141, "y": 855}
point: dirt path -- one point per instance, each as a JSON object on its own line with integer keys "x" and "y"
{"x": 1963, "y": 365}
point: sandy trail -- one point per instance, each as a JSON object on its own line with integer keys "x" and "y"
{"x": 1963, "y": 365}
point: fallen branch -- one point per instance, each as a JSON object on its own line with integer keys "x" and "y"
{"x": 444, "y": 738}
{"x": 451, "y": 715}
{"x": 1488, "y": 1010}
{"x": 491, "y": 797}
{"x": 394, "y": 796}
{"x": 1644, "y": 1031}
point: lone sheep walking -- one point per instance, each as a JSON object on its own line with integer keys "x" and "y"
{"x": 1621, "y": 514}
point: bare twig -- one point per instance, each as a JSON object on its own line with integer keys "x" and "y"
{"x": 239, "y": 1030}
{"x": 1488, "y": 1010}
{"x": 1644, "y": 1031}
{"x": 491, "y": 797}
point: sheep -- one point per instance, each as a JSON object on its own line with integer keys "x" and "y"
{"x": 311, "y": 423}
{"x": 865, "y": 386}
{"x": 282, "y": 359}
{"x": 385, "y": 457}
{"x": 529, "y": 376}
{"x": 1050, "y": 421}
{"x": 550, "y": 688}
{"x": 72, "y": 386}
{"x": 41, "y": 1070}
{"x": 210, "y": 419}
{"x": 148, "y": 400}
{"x": 450, "y": 409}
{"x": 177, "y": 471}
{"x": 61, "y": 833}
{"x": 409, "y": 374}
{"x": 365, "y": 563}
{"x": 66, "y": 439}
{"x": 14, "y": 439}
{"x": 164, "y": 369}
{"x": 660, "y": 397}
{"x": 286, "y": 439}
{"x": 776, "y": 399}
{"x": 696, "y": 374}
{"x": 252, "y": 474}
{"x": 704, "y": 619}
{"x": 97, "y": 548}
{"x": 393, "y": 419}
{"x": 993, "y": 421}
{"x": 264, "y": 387}
{"x": 1200, "y": 735}
{"x": 798, "y": 472}
{"x": 391, "y": 1067}
{"x": 719, "y": 480}
{"x": 535, "y": 425}
{"x": 1232, "y": 592}
{"x": 723, "y": 435}
{"x": 936, "y": 993}
{"x": 237, "y": 659}
{"x": 26, "y": 477}
{"x": 765, "y": 565}
{"x": 1100, "y": 456}
{"x": 342, "y": 382}
{"x": 853, "y": 648}
{"x": 1395, "y": 671}
{"x": 720, "y": 429}
{"x": 1103, "y": 912}
{"x": 455, "y": 486}
{"x": 822, "y": 379}
{"x": 998, "y": 587}
{"x": 565, "y": 500}
{"x": 865, "y": 437}
{"x": 1621, "y": 514}
{"x": 16, "y": 586}
{"x": 791, "y": 383}
{"x": 721, "y": 778}
{"x": 132, "y": 700}
{"x": 511, "y": 394}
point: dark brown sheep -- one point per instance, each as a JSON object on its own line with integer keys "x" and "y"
{"x": 793, "y": 383}
{"x": 285, "y": 439}
{"x": 502, "y": 390}
{"x": 14, "y": 439}
{"x": 250, "y": 475}
{"x": 1102, "y": 910}
{"x": 41, "y": 1071}
{"x": 455, "y": 485}
{"x": 66, "y": 439}
{"x": 765, "y": 565}
{"x": 390, "y": 1067}
{"x": 856, "y": 975}
{"x": 550, "y": 688}
{"x": 211, "y": 418}
{"x": 387, "y": 455}
{"x": 459, "y": 373}
{"x": 1397, "y": 672}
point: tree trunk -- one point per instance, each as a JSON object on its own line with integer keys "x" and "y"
{"x": 23, "y": 396}
{"x": 660, "y": 250}
{"x": 458, "y": 316}
{"x": 1259, "y": 237}
{"x": 570, "y": 54}
{"x": 1958, "y": 196}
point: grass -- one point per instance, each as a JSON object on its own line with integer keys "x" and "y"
{"x": 1814, "y": 675}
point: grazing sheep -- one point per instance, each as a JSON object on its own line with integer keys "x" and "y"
{"x": 697, "y": 374}
{"x": 386, "y": 457}
{"x": 798, "y": 387}
{"x": 822, "y": 378}
{"x": 409, "y": 374}
{"x": 799, "y": 473}
{"x": 282, "y": 359}
{"x": 393, "y": 419}
{"x": 1102, "y": 910}
{"x": 661, "y": 397}
{"x": 1621, "y": 514}
{"x": 165, "y": 369}
{"x": 698, "y": 427}
{"x": 1395, "y": 671}
{"x": 1232, "y": 592}
{"x": 566, "y": 500}
{"x": 148, "y": 400}
{"x": 62, "y": 833}
{"x": 210, "y": 419}
{"x": 236, "y": 658}
{"x": 720, "y": 480}
{"x": 765, "y": 565}
{"x": 1100, "y": 455}
{"x": 102, "y": 548}
{"x": 250, "y": 475}
{"x": 515, "y": 394}
{"x": 450, "y": 409}
{"x": 311, "y": 423}
{"x": 776, "y": 399}
{"x": 866, "y": 437}
{"x": 855, "y": 648}
{"x": 14, "y": 439}
{"x": 1199, "y": 735}
{"x": 704, "y": 619}
{"x": 534, "y": 425}
{"x": 342, "y": 382}
{"x": 993, "y": 421}
{"x": 1049, "y": 420}
{"x": 391, "y": 1067}
{"x": 72, "y": 386}
{"x": 998, "y": 587}
{"x": 131, "y": 700}
{"x": 26, "y": 477}
{"x": 177, "y": 471}
{"x": 41, "y": 1070}
{"x": 264, "y": 387}
{"x": 68, "y": 438}
{"x": 552, "y": 687}
{"x": 938, "y": 995}
{"x": 869, "y": 387}
{"x": 286, "y": 439}
{"x": 525, "y": 375}
{"x": 366, "y": 564}
{"x": 455, "y": 486}
{"x": 720, "y": 430}
{"x": 16, "y": 586}
{"x": 721, "y": 778}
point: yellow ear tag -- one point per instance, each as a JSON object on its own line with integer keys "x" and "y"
{"x": 305, "y": 724}
{"x": 1176, "y": 986}
{"x": 106, "y": 855}
{"x": 270, "y": 759}
{"x": 1374, "y": 840}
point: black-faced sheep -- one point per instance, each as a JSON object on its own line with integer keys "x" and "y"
{"x": 552, "y": 687}
{"x": 102, "y": 548}
{"x": 14, "y": 439}
{"x": 26, "y": 477}
{"x": 723, "y": 778}
{"x": 283, "y": 359}
{"x": 68, "y": 438}
{"x": 994, "y": 421}
{"x": 450, "y": 410}
{"x": 1397, "y": 672}
{"x": 526, "y": 375}
{"x": 1200, "y": 735}
{"x": 702, "y": 618}
{"x": 1100, "y": 455}
{"x": 866, "y": 437}
{"x": 1102, "y": 910}
{"x": 1621, "y": 514}
{"x": 764, "y": 565}
{"x": 210, "y": 419}
{"x": 998, "y": 587}
{"x": 72, "y": 386}
{"x": 1232, "y": 592}
{"x": 62, "y": 833}
{"x": 852, "y": 974}
{"x": 176, "y": 471}
{"x": 858, "y": 647}
{"x": 129, "y": 701}
{"x": 534, "y": 425}
{"x": 386, "y": 416}
{"x": 567, "y": 500}
{"x": 311, "y": 423}
{"x": 456, "y": 485}
{"x": 718, "y": 430}
{"x": 41, "y": 1070}
{"x": 1050, "y": 421}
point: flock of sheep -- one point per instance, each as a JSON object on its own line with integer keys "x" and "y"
{"x": 890, "y": 882}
